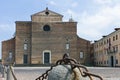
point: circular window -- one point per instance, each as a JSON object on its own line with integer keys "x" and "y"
{"x": 46, "y": 28}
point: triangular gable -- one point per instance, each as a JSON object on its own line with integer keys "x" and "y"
{"x": 46, "y": 16}
{"x": 50, "y": 13}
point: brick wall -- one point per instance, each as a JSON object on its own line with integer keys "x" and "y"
{"x": 7, "y": 47}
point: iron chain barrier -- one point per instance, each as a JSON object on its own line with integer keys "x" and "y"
{"x": 74, "y": 64}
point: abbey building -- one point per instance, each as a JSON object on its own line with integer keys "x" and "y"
{"x": 44, "y": 40}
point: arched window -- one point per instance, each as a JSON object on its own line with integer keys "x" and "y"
{"x": 81, "y": 55}
{"x": 10, "y": 55}
{"x": 25, "y": 46}
{"x": 67, "y": 46}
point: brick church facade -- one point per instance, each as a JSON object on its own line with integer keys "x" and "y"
{"x": 44, "y": 40}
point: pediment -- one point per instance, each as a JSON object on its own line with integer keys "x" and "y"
{"x": 47, "y": 12}
{"x": 46, "y": 16}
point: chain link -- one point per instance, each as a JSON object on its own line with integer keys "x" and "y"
{"x": 74, "y": 64}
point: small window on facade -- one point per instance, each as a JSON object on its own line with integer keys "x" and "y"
{"x": 25, "y": 46}
{"x": 116, "y": 61}
{"x": 113, "y": 48}
{"x": 107, "y": 61}
{"x": 104, "y": 42}
{"x": 116, "y": 48}
{"x": 67, "y": 45}
{"x": 10, "y": 55}
{"x": 81, "y": 55}
{"x": 46, "y": 28}
{"x": 104, "y": 62}
{"x": 109, "y": 40}
{"x": 116, "y": 37}
{"x": 113, "y": 38}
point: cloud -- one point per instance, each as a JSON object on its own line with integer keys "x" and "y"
{"x": 74, "y": 4}
{"x": 70, "y": 13}
{"x": 53, "y": 3}
{"x": 4, "y": 27}
{"x": 96, "y": 24}
{"x": 7, "y": 31}
{"x": 103, "y": 1}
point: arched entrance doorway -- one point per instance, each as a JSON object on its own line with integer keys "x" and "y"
{"x": 46, "y": 57}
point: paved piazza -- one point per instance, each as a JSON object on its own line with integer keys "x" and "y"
{"x": 31, "y": 73}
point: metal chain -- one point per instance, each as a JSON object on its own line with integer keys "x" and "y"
{"x": 73, "y": 63}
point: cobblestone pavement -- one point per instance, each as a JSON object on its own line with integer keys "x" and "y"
{"x": 31, "y": 73}
{"x": 107, "y": 73}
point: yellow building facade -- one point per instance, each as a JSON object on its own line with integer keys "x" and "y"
{"x": 107, "y": 50}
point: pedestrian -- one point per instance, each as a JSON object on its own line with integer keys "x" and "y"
{"x": 0, "y": 67}
{"x": 3, "y": 70}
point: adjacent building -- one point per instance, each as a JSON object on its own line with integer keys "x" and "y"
{"x": 44, "y": 40}
{"x": 107, "y": 50}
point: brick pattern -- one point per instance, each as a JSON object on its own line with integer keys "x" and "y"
{"x": 7, "y": 47}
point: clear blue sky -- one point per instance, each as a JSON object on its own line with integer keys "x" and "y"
{"x": 95, "y": 17}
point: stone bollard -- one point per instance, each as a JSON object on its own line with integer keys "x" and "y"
{"x": 64, "y": 72}
{"x": 9, "y": 74}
